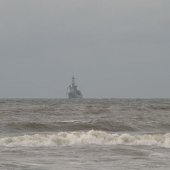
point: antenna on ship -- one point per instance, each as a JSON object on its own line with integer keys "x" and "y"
{"x": 73, "y": 81}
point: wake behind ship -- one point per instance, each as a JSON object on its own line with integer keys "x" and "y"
{"x": 73, "y": 92}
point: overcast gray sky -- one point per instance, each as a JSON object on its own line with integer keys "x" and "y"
{"x": 115, "y": 48}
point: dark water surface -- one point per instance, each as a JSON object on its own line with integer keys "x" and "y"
{"x": 87, "y": 134}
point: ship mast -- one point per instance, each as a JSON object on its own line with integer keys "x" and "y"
{"x": 73, "y": 81}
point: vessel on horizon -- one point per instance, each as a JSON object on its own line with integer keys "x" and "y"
{"x": 73, "y": 92}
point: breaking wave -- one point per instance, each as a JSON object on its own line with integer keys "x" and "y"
{"x": 86, "y": 138}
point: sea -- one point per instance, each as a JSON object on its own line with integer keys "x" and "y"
{"x": 87, "y": 134}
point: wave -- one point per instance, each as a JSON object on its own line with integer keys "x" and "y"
{"x": 72, "y": 125}
{"x": 86, "y": 138}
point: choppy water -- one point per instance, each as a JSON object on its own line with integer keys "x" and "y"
{"x": 87, "y": 134}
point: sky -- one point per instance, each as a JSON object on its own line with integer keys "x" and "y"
{"x": 114, "y": 48}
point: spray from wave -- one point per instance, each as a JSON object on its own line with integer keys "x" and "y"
{"x": 86, "y": 138}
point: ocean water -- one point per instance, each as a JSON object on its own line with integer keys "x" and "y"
{"x": 89, "y": 134}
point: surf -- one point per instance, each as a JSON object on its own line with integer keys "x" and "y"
{"x": 91, "y": 137}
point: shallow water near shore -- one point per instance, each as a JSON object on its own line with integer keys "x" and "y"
{"x": 85, "y": 134}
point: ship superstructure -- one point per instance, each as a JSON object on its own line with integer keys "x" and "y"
{"x": 73, "y": 92}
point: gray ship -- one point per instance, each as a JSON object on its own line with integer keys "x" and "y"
{"x": 73, "y": 92}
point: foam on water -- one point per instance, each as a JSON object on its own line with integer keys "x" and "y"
{"x": 86, "y": 138}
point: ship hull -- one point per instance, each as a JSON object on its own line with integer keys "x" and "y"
{"x": 74, "y": 96}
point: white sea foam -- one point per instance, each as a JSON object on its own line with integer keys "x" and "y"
{"x": 86, "y": 138}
